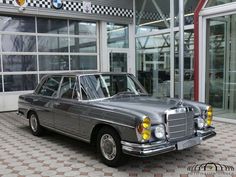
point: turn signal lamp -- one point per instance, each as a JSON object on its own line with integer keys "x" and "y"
{"x": 209, "y": 116}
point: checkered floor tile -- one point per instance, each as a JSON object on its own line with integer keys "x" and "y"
{"x": 22, "y": 154}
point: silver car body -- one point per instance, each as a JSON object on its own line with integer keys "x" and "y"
{"x": 82, "y": 119}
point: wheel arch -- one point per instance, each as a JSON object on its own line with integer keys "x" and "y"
{"x": 31, "y": 111}
{"x": 96, "y": 128}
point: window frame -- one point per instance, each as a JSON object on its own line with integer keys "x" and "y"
{"x": 131, "y": 76}
{"x": 44, "y": 80}
{"x": 75, "y": 88}
{"x": 37, "y": 53}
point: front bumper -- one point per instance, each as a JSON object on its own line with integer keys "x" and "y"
{"x": 155, "y": 148}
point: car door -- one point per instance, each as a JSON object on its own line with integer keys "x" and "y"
{"x": 66, "y": 107}
{"x": 44, "y": 99}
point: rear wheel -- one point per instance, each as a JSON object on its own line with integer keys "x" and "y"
{"x": 35, "y": 127}
{"x": 109, "y": 147}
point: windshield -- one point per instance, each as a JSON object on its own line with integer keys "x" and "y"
{"x": 109, "y": 85}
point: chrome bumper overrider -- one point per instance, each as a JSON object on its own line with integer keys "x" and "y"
{"x": 155, "y": 148}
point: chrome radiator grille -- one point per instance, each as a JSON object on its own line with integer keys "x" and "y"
{"x": 180, "y": 123}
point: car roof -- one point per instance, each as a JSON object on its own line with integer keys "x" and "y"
{"x": 79, "y": 73}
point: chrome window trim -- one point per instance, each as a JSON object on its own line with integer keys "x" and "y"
{"x": 111, "y": 73}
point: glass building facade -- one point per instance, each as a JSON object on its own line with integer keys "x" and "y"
{"x": 32, "y": 47}
{"x": 137, "y": 36}
{"x": 219, "y": 56}
{"x": 153, "y": 47}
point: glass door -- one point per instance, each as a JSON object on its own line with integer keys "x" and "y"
{"x": 221, "y": 65}
{"x": 118, "y": 61}
{"x": 216, "y": 62}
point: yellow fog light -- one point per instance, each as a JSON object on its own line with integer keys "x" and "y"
{"x": 144, "y": 128}
{"x": 209, "y": 116}
{"x": 146, "y": 123}
{"x": 146, "y": 134}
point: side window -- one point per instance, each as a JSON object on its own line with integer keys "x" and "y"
{"x": 50, "y": 86}
{"x": 68, "y": 88}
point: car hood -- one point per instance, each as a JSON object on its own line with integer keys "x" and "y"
{"x": 140, "y": 106}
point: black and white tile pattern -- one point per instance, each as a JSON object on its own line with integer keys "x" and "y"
{"x": 6, "y": 1}
{"x": 105, "y": 10}
{"x": 43, "y": 4}
{"x": 72, "y": 6}
{"x": 78, "y": 7}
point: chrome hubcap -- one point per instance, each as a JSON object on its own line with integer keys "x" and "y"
{"x": 33, "y": 123}
{"x": 108, "y": 147}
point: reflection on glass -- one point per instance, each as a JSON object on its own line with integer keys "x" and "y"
{"x": 82, "y": 28}
{"x": 221, "y": 65}
{"x": 53, "y": 62}
{"x": 148, "y": 18}
{"x": 217, "y": 64}
{"x": 18, "y": 43}
{"x": 68, "y": 88}
{"x": 189, "y": 6}
{"x": 17, "y": 24}
{"x": 188, "y": 65}
{"x": 53, "y": 26}
{"x": 50, "y": 87}
{"x": 19, "y": 82}
{"x": 103, "y": 86}
{"x": 118, "y": 62}
{"x": 153, "y": 64}
{"x": 83, "y": 62}
{"x": 52, "y": 44}
{"x": 153, "y": 15}
{"x": 0, "y": 83}
{"x": 83, "y": 45}
{"x": 117, "y": 36}
{"x": 211, "y": 3}
{"x": 13, "y": 63}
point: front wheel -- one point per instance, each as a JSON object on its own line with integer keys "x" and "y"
{"x": 35, "y": 127}
{"x": 109, "y": 147}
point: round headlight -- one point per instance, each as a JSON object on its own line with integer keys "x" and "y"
{"x": 160, "y": 131}
{"x": 200, "y": 123}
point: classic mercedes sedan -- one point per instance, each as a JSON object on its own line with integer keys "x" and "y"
{"x": 114, "y": 112}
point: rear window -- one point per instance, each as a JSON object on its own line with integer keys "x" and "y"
{"x": 50, "y": 86}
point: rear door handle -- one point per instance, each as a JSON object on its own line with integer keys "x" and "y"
{"x": 35, "y": 100}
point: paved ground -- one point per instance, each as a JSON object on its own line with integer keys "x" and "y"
{"x": 22, "y": 154}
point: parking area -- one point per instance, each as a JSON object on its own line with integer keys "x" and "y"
{"x": 22, "y": 154}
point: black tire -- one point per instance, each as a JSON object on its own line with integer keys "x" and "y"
{"x": 118, "y": 156}
{"x": 34, "y": 124}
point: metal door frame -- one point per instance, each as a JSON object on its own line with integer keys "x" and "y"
{"x": 119, "y": 50}
{"x": 205, "y": 14}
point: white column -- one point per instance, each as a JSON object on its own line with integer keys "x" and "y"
{"x": 181, "y": 48}
{"x": 132, "y": 48}
{"x": 104, "y": 60}
{"x": 172, "y": 49}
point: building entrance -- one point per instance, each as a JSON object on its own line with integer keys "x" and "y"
{"x": 220, "y": 89}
